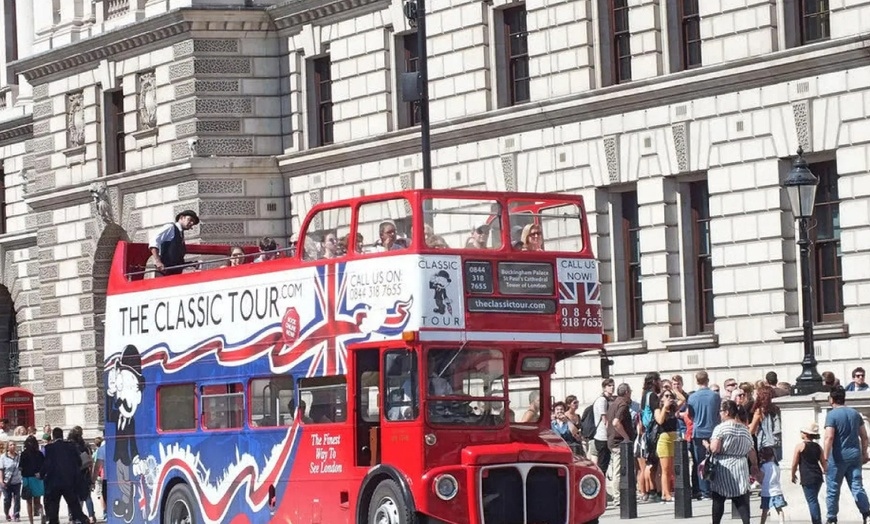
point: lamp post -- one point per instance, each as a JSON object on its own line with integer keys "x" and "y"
{"x": 416, "y": 85}
{"x": 800, "y": 186}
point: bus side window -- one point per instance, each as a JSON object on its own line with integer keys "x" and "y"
{"x": 401, "y": 384}
{"x": 223, "y": 406}
{"x": 176, "y": 407}
{"x": 273, "y": 401}
{"x": 325, "y": 399}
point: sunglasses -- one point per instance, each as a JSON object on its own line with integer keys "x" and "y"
{"x": 731, "y": 385}
{"x": 536, "y": 234}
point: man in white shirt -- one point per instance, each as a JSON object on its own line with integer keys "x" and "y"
{"x": 167, "y": 246}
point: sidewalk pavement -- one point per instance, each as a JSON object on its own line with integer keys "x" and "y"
{"x": 702, "y": 513}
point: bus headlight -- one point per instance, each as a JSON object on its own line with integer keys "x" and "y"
{"x": 446, "y": 486}
{"x": 590, "y": 486}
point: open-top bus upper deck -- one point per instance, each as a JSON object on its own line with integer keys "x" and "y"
{"x": 451, "y": 265}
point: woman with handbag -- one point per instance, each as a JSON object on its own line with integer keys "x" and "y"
{"x": 32, "y": 488}
{"x": 729, "y": 446}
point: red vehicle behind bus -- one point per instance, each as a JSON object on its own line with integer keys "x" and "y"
{"x": 395, "y": 369}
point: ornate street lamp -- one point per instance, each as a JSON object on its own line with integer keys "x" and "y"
{"x": 800, "y": 186}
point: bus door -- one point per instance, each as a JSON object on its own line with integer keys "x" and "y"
{"x": 401, "y": 432}
{"x": 368, "y": 417}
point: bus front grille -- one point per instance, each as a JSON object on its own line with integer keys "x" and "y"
{"x": 524, "y": 494}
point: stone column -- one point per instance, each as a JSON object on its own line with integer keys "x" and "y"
{"x": 659, "y": 259}
{"x": 644, "y": 20}
{"x": 560, "y": 47}
{"x": 24, "y": 21}
{"x": 854, "y": 193}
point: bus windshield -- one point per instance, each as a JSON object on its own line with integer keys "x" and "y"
{"x": 466, "y": 387}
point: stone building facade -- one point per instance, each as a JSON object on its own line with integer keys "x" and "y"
{"x": 676, "y": 121}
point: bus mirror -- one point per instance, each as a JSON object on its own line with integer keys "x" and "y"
{"x": 605, "y": 367}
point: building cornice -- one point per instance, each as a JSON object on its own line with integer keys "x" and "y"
{"x": 740, "y": 75}
{"x": 154, "y": 177}
{"x": 139, "y": 37}
{"x": 296, "y": 13}
{"x": 16, "y": 130}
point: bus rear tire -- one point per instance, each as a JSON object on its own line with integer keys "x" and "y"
{"x": 387, "y": 505}
{"x": 180, "y": 507}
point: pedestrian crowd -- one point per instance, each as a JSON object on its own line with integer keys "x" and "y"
{"x": 734, "y": 441}
{"x": 49, "y": 469}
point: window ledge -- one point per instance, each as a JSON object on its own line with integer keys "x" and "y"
{"x": 145, "y": 137}
{"x": 628, "y": 347}
{"x": 826, "y": 331}
{"x": 75, "y": 155}
{"x": 701, "y": 341}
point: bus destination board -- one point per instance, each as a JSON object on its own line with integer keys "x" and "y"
{"x": 525, "y": 278}
{"x": 478, "y": 277}
{"x": 540, "y": 306}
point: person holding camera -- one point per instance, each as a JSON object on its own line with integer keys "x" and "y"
{"x": 566, "y": 429}
{"x": 666, "y": 419}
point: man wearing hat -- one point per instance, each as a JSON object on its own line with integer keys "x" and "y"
{"x": 167, "y": 247}
{"x": 124, "y": 388}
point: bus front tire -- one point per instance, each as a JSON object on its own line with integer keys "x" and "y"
{"x": 180, "y": 507}
{"x": 387, "y": 505}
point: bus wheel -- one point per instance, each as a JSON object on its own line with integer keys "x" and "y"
{"x": 180, "y": 507}
{"x": 387, "y": 505}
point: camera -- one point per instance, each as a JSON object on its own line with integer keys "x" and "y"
{"x": 191, "y": 144}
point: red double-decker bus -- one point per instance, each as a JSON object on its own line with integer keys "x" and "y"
{"x": 394, "y": 369}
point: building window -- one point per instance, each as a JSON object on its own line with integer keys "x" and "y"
{"x": 631, "y": 250}
{"x": 825, "y": 237}
{"x": 699, "y": 204}
{"x": 621, "y": 41}
{"x": 814, "y": 20}
{"x": 322, "y": 103}
{"x": 114, "y": 131}
{"x": 517, "y": 54}
{"x": 409, "y": 60}
{"x": 10, "y": 30}
{"x": 690, "y": 34}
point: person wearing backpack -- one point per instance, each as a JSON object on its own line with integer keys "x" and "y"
{"x": 594, "y": 426}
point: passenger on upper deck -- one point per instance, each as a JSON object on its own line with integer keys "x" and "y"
{"x": 533, "y": 238}
{"x": 167, "y": 246}
{"x": 237, "y": 256}
{"x": 433, "y": 240}
{"x": 344, "y": 244}
{"x": 479, "y": 238}
{"x": 388, "y": 240}
{"x": 330, "y": 246}
{"x": 268, "y": 250}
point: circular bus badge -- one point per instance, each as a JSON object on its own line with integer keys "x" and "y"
{"x": 290, "y": 326}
